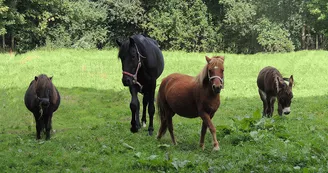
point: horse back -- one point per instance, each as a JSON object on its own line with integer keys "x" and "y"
{"x": 149, "y": 48}
{"x": 266, "y": 80}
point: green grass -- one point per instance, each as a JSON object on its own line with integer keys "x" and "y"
{"x": 91, "y": 128}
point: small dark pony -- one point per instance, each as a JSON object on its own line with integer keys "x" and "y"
{"x": 191, "y": 97}
{"x": 142, "y": 63}
{"x": 272, "y": 85}
{"x": 42, "y": 99}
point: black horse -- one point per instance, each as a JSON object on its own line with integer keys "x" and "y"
{"x": 142, "y": 63}
{"x": 42, "y": 99}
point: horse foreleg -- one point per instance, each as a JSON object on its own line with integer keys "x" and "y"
{"x": 145, "y": 101}
{"x": 202, "y": 135}
{"x": 48, "y": 124}
{"x": 270, "y": 101}
{"x": 134, "y": 106}
{"x": 207, "y": 120}
{"x": 39, "y": 124}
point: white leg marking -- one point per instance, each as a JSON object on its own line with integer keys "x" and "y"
{"x": 144, "y": 124}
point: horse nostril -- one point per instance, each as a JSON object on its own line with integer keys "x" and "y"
{"x": 45, "y": 103}
{"x": 286, "y": 113}
{"x": 216, "y": 89}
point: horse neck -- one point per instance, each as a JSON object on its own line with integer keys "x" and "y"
{"x": 206, "y": 89}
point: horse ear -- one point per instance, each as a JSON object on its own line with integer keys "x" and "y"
{"x": 208, "y": 59}
{"x": 50, "y": 78}
{"x": 35, "y": 78}
{"x": 291, "y": 81}
{"x": 131, "y": 41}
{"x": 279, "y": 84}
{"x": 118, "y": 43}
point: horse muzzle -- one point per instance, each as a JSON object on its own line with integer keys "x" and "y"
{"x": 216, "y": 89}
{"x": 127, "y": 81}
{"x": 44, "y": 102}
{"x": 286, "y": 110}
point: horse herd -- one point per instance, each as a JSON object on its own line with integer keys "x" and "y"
{"x": 187, "y": 96}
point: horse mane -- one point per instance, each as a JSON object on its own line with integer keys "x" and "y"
{"x": 45, "y": 82}
{"x": 203, "y": 75}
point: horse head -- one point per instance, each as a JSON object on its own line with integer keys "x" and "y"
{"x": 131, "y": 61}
{"x": 43, "y": 89}
{"x": 284, "y": 94}
{"x": 215, "y": 71}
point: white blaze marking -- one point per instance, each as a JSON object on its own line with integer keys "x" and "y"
{"x": 286, "y": 109}
{"x": 263, "y": 94}
{"x": 216, "y": 67}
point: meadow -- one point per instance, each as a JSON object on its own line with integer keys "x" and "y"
{"x": 91, "y": 127}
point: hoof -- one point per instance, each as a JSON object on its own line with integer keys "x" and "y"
{"x": 134, "y": 129}
{"x": 150, "y": 133}
{"x": 202, "y": 146}
{"x": 144, "y": 124}
{"x": 217, "y": 148}
{"x": 138, "y": 126}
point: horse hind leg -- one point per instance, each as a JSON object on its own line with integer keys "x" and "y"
{"x": 170, "y": 127}
{"x": 265, "y": 104}
{"x": 144, "y": 110}
{"x": 165, "y": 115}
{"x": 162, "y": 129}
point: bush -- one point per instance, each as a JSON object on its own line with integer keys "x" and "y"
{"x": 273, "y": 38}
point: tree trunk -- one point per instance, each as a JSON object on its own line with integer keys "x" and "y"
{"x": 12, "y": 42}
{"x": 308, "y": 38}
{"x": 303, "y": 36}
{"x": 316, "y": 41}
{"x": 3, "y": 42}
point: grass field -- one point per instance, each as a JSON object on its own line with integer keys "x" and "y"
{"x": 91, "y": 128}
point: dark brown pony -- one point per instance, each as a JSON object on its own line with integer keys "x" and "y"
{"x": 42, "y": 99}
{"x": 272, "y": 85}
{"x": 191, "y": 97}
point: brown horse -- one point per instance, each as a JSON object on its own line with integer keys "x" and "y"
{"x": 191, "y": 97}
{"x": 42, "y": 99}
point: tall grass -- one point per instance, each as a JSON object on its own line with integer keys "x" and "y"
{"x": 91, "y": 128}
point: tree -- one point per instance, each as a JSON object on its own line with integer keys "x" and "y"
{"x": 182, "y": 25}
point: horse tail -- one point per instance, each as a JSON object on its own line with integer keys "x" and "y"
{"x": 160, "y": 106}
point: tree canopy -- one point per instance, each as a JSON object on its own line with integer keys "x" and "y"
{"x": 236, "y": 26}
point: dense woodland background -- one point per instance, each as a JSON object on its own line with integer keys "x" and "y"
{"x": 234, "y": 26}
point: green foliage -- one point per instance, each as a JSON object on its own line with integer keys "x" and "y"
{"x": 182, "y": 25}
{"x": 273, "y": 38}
{"x": 83, "y": 26}
{"x": 190, "y": 25}
{"x": 124, "y": 18}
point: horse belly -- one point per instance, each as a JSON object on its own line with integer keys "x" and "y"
{"x": 181, "y": 99}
